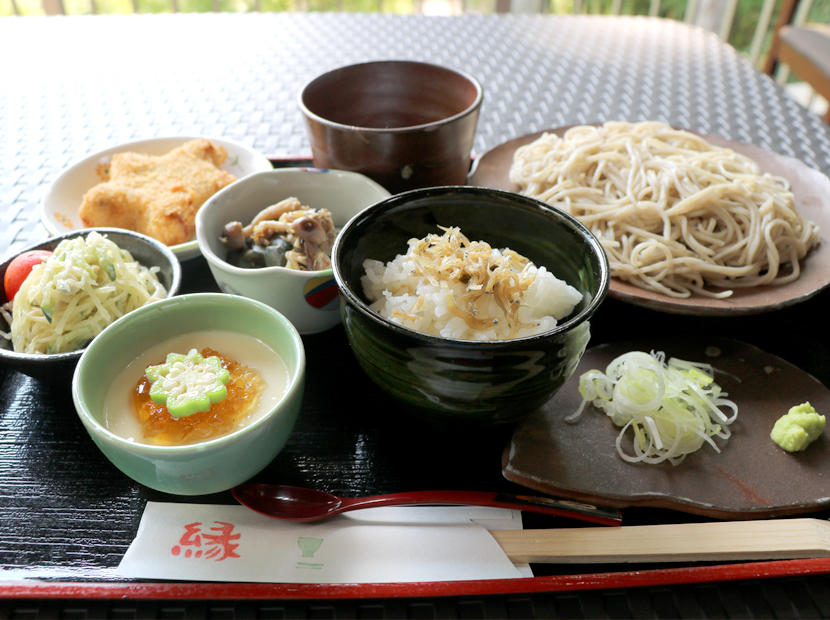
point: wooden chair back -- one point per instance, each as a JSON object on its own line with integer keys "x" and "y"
{"x": 805, "y": 49}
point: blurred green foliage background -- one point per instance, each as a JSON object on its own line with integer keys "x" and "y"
{"x": 740, "y": 37}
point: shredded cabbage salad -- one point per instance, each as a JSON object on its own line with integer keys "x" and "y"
{"x": 72, "y": 296}
{"x": 672, "y": 408}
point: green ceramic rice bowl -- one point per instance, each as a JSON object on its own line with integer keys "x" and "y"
{"x": 455, "y": 381}
{"x": 216, "y": 464}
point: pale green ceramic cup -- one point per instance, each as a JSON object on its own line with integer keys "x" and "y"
{"x": 201, "y": 468}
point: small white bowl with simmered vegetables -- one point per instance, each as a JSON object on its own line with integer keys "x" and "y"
{"x": 59, "y": 294}
{"x": 269, "y": 237}
{"x": 194, "y": 394}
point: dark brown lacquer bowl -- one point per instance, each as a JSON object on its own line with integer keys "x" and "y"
{"x": 406, "y": 125}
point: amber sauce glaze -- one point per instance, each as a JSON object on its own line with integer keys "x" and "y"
{"x": 243, "y": 391}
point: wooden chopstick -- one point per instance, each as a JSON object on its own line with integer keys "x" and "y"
{"x": 730, "y": 540}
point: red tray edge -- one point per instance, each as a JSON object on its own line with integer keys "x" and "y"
{"x": 563, "y": 583}
{"x": 530, "y": 585}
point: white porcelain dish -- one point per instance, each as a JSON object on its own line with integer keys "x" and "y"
{"x": 309, "y": 299}
{"x": 60, "y": 204}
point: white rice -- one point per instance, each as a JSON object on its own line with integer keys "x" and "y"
{"x": 546, "y": 301}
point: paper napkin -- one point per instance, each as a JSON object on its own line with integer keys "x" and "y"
{"x": 199, "y": 542}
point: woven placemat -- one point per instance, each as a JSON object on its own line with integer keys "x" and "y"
{"x": 80, "y": 84}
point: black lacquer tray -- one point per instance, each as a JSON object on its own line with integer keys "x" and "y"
{"x": 67, "y": 515}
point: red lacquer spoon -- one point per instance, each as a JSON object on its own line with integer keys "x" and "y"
{"x": 298, "y": 504}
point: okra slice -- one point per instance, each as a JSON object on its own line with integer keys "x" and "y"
{"x": 188, "y": 384}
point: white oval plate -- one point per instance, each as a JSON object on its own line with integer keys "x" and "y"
{"x": 60, "y": 204}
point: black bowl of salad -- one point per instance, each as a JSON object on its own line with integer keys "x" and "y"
{"x": 59, "y": 294}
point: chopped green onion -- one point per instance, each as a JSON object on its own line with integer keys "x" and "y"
{"x": 672, "y": 408}
{"x": 47, "y": 307}
{"x": 105, "y": 262}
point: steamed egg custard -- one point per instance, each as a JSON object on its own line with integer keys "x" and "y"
{"x": 195, "y": 387}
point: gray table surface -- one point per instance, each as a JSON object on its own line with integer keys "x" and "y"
{"x": 70, "y": 86}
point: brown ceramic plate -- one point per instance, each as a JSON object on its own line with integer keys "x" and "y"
{"x": 750, "y": 478}
{"x": 812, "y": 197}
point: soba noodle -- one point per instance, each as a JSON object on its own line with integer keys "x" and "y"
{"x": 675, "y": 214}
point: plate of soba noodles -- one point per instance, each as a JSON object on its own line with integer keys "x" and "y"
{"x": 691, "y": 224}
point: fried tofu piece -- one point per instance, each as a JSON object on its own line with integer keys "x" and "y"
{"x": 157, "y": 195}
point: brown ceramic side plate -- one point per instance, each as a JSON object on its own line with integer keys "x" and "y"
{"x": 812, "y": 198}
{"x": 750, "y": 478}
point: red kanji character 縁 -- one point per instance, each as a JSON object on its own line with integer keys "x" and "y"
{"x": 222, "y": 541}
{"x": 190, "y": 538}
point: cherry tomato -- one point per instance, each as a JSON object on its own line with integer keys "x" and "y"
{"x": 19, "y": 269}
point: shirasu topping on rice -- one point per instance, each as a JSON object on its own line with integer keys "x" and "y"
{"x": 449, "y": 286}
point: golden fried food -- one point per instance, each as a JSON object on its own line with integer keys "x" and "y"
{"x": 157, "y": 195}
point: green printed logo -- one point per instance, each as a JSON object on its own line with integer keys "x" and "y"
{"x": 309, "y": 547}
